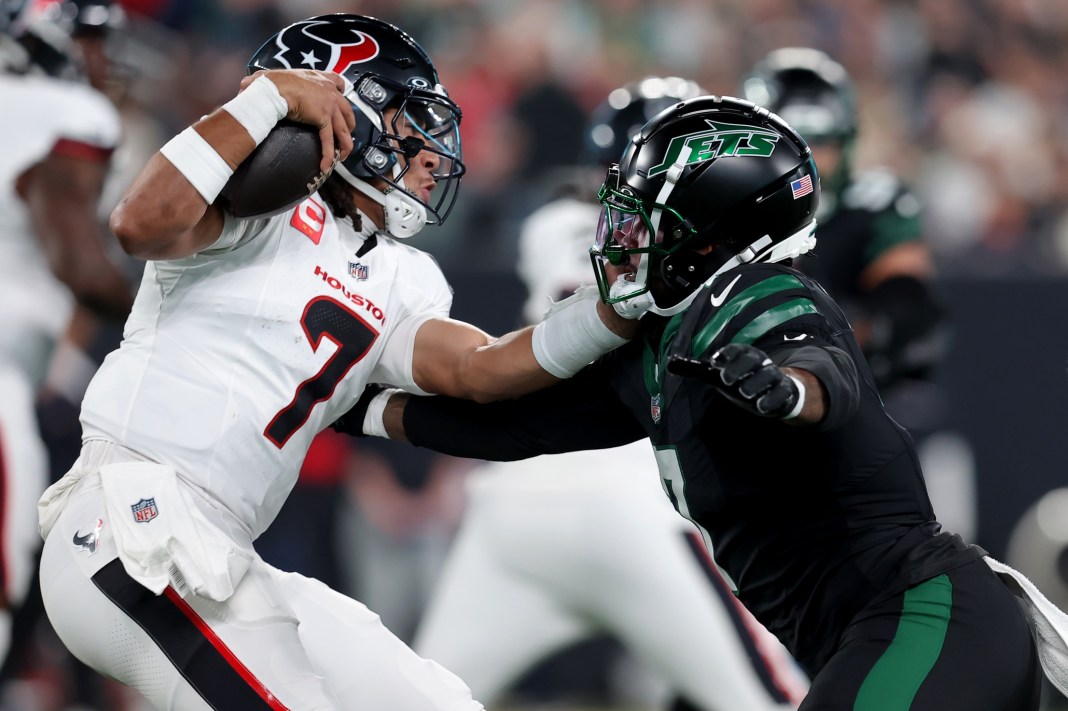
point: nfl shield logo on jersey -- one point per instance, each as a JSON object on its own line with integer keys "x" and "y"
{"x": 357, "y": 270}
{"x": 654, "y": 408}
{"x": 145, "y": 510}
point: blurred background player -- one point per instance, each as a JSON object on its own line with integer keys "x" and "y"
{"x": 872, "y": 257}
{"x": 57, "y": 134}
{"x": 559, "y": 549}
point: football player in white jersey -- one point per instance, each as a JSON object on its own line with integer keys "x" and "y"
{"x": 603, "y": 551}
{"x": 56, "y": 137}
{"x": 247, "y": 338}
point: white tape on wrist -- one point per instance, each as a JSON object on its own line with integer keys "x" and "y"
{"x": 800, "y": 399}
{"x": 572, "y": 335}
{"x": 201, "y": 164}
{"x": 373, "y": 423}
{"x": 258, "y": 108}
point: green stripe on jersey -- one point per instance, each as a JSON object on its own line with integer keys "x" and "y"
{"x": 654, "y": 356}
{"x": 773, "y": 317}
{"x": 893, "y": 681}
{"x": 732, "y": 308}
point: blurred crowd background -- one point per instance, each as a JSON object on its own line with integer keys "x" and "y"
{"x": 965, "y": 99}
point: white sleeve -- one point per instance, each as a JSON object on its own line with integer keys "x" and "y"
{"x": 235, "y": 231}
{"x": 425, "y": 295}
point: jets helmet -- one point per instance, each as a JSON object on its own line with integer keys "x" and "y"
{"x": 707, "y": 184}
{"x": 626, "y": 109}
{"x": 388, "y": 70}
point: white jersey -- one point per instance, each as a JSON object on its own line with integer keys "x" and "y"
{"x": 36, "y": 114}
{"x": 233, "y": 359}
{"x": 554, "y": 246}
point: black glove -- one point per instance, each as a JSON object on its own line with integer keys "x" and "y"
{"x": 351, "y": 423}
{"x": 746, "y": 376}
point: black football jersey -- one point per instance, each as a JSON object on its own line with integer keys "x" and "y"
{"x": 810, "y": 522}
{"x": 874, "y": 213}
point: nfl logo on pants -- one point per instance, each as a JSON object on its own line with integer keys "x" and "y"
{"x": 144, "y": 510}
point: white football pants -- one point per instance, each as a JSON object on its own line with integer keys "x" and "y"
{"x": 557, "y": 549}
{"x": 281, "y": 641}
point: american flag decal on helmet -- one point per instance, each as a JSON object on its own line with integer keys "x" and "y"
{"x": 801, "y": 187}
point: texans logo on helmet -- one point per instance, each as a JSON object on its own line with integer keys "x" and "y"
{"x": 341, "y": 46}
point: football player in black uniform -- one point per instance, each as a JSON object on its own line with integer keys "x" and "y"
{"x": 766, "y": 422}
{"x": 874, "y": 261}
{"x": 871, "y": 256}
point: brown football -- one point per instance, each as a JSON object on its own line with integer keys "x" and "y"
{"x": 282, "y": 171}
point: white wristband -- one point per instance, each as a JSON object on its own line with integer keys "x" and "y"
{"x": 572, "y": 335}
{"x": 201, "y": 165}
{"x": 800, "y": 405}
{"x": 258, "y": 108}
{"x": 373, "y": 423}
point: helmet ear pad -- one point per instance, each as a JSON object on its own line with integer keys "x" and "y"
{"x": 368, "y": 160}
{"x": 682, "y": 272}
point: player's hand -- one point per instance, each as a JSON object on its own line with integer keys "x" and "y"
{"x": 633, "y": 308}
{"x": 746, "y": 376}
{"x": 351, "y": 423}
{"x": 318, "y": 99}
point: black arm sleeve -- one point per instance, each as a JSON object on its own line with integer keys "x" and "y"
{"x": 837, "y": 373}
{"x": 908, "y": 332}
{"x": 580, "y": 413}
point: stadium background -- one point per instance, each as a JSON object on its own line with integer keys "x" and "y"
{"x": 964, "y": 98}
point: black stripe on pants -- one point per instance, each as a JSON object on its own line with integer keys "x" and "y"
{"x": 731, "y": 604}
{"x": 196, "y": 652}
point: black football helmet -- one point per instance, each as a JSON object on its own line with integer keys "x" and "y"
{"x": 708, "y": 184}
{"x": 387, "y": 70}
{"x": 814, "y": 94}
{"x": 46, "y": 32}
{"x": 626, "y": 110}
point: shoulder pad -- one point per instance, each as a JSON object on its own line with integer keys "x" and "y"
{"x": 744, "y": 304}
{"x": 879, "y": 190}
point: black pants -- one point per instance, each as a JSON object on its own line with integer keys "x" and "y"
{"x": 958, "y": 641}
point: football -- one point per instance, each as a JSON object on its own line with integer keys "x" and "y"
{"x": 282, "y": 171}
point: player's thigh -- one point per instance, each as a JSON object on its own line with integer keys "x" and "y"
{"x": 488, "y": 622}
{"x": 685, "y": 621}
{"x": 23, "y": 476}
{"x": 956, "y": 641}
{"x": 365, "y": 664}
{"x": 190, "y": 653}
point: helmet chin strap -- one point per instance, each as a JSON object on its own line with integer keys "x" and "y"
{"x": 800, "y": 242}
{"x": 795, "y": 245}
{"x": 403, "y": 215}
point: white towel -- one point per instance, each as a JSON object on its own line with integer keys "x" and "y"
{"x": 1048, "y": 622}
{"x": 163, "y": 537}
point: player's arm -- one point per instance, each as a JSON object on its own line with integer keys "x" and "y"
{"x": 460, "y": 360}
{"x": 581, "y": 413}
{"x": 169, "y": 212}
{"x": 62, "y": 193}
{"x": 898, "y": 326}
{"x": 804, "y": 386}
{"x": 771, "y": 350}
